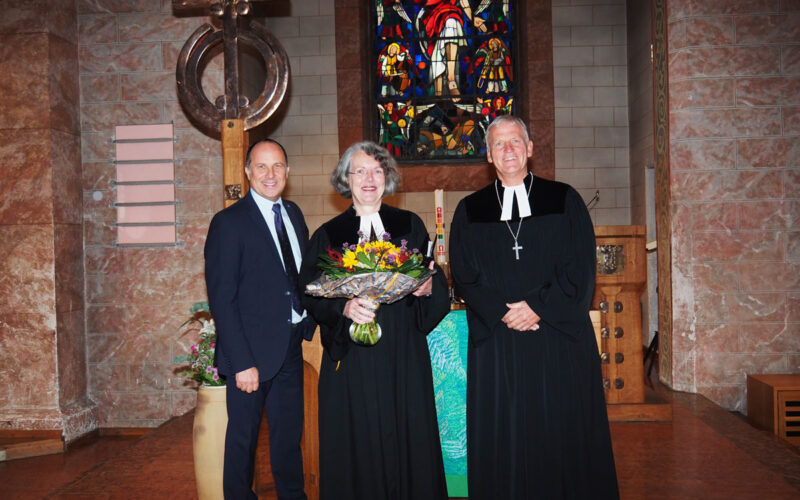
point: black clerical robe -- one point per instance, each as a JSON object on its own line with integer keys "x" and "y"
{"x": 536, "y": 418}
{"x": 379, "y": 437}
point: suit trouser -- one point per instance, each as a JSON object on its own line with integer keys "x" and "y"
{"x": 282, "y": 397}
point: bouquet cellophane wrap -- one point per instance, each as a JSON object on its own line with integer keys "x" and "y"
{"x": 383, "y": 287}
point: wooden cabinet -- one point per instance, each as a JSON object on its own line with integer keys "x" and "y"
{"x": 773, "y": 404}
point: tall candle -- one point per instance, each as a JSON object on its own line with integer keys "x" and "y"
{"x": 438, "y": 202}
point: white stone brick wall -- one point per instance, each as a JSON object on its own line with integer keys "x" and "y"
{"x": 591, "y": 103}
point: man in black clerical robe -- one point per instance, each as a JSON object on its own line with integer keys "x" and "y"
{"x": 536, "y": 418}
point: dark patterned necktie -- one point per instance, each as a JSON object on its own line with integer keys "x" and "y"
{"x": 288, "y": 258}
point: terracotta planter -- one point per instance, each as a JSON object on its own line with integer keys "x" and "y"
{"x": 210, "y": 422}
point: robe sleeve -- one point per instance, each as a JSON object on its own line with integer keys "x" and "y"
{"x": 429, "y": 310}
{"x": 488, "y": 304}
{"x": 328, "y": 313}
{"x": 563, "y": 301}
{"x": 223, "y": 256}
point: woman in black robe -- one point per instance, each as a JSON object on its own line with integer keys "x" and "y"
{"x": 379, "y": 437}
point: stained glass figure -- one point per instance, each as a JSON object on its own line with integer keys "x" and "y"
{"x": 444, "y": 70}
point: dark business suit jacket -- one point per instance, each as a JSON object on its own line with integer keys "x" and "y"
{"x": 248, "y": 290}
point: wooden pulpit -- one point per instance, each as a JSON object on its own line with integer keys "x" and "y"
{"x": 621, "y": 279}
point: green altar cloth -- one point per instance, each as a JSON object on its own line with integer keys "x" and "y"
{"x": 448, "y": 347}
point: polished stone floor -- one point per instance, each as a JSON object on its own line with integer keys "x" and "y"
{"x": 704, "y": 453}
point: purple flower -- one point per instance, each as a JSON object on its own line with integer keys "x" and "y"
{"x": 403, "y": 243}
{"x": 215, "y": 377}
{"x": 353, "y": 247}
{"x": 209, "y": 370}
{"x": 346, "y": 245}
{"x": 386, "y": 236}
{"x": 415, "y": 250}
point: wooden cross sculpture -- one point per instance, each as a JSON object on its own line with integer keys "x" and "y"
{"x": 232, "y": 114}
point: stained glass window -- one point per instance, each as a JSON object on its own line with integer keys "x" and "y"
{"x": 444, "y": 69}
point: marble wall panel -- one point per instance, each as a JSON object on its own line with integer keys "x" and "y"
{"x": 773, "y": 91}
{"x": 97, "y": 146}
{"x": 783, "y": 28}
{"x": 718, "y": 338}
{"x": 103, "y": 58}
{"x": 732, "y": 61}
{"x": 733, "y": 397}
{"x": 156, "y": 27}
{"x": 40, "y": 16}
{"x": 99, "y": 88}
{"x": 68, "y": 240}
{"x": 716, "y": 123}
{"x": 97, "y": 28}
{"x": 27, "y": 336}
{"x": 71, "y": 351}
{"x": 793, "y": 246}
{"x": 716, "y": 276}
{"x": 769, "y": 214}
{"x": 738, "y": 245}
{"x": 63, "y": 85}
{"x": 709, "y": 31}
{"x": 791, "y": 183}
{"x": 723, "y": 368}
{"x": 27, "y": 270}
{"x": 65, "y": 162}
{"x": 148, "y": 86}
{"x": 24, "y": 97}
{"x": 104, "y": 116}
{"x": 791, "y": 121}
{"x": 113, "y": 6}
{"x": 26, "y": 183}
{"x": 751, "y": 185}
{"x": 772, "y": 152}
{"x": 790, "y": 59}
{"x": 703, "y": 154}
{"x": 684, "y": 8}
{"x": 769, "y": 276}
{"x": 702, "y": 93}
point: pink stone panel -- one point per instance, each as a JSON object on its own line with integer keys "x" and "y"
{"x": 791, "y": 121}
{"x": 27, "y": 281}
{"x": 694, "y": 186}
{"x": 678, "y": 66}
{"x": 684, "y": 8}
{"x": 770, "y": 337}
{"x": 713, "y": 215}
{"x": 791, "y": 183}
{"x": 738, "y": 245}
{"x": 97, "y": 28}
{"x": 722, "y": 368}
{"x": 26, "y": 180}
{"x": 115, "y": 318}
{"x": 138, "y": 407}
{"x": 780, "y": 91}
{"x": 66, "y": 174}
{"x": 149, "y": 86}
{"x": 791, "y": 59}
{"x": 196, "y": 172}
{"x": 145, "y": 193}
{"x": 793, "y": 246}
{"x": 783, "y": 28}
{"x": 718, "y": 338}
{"x": 701, "y": 93}
{"x": 139, "y": 235}
{"x": 111, "y": 6}
{"x": 716, "y": 276}
{"x": 790, "y": 5}
{"x": 727, "y": 396}
{"x": 702, "y": 155}
{"x": 23, "y": 98}
{"x": 99, "y": 88}
{"x": 138, "y": 132}
{"x": 708, "y": 123}
{"x": 68, "y": 267}
{"x": 96, "y": 146}
{"x": 133, "y": 172}
{"x": 102, "y": 58}
{"x": 751, "y": 185}
{"x": 793, "y": 307}
{"x": 733, "y": 61}
{"x": 156, "y": 213}
{"x": 140, "y": 151}
{"x": 63, "y": 85}
{"x": 677, "y": 35}
{"x": 769, "y": 214}
{"x": 30, "y": 385}
{"x": 769, "y": 276}
{"x": 97, "y": 175}
{"x": 104, "y": 116}
{"x": 709, "y": 31}
{"x": 772, "y": 152}
{"x": 71, "y": 351}
{"x": 195, "y": 144}
{"x": 156, "y": 27}
{"x": 109, "y": 377}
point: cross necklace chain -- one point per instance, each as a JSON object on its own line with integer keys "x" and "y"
{"x": 517, "y": 247}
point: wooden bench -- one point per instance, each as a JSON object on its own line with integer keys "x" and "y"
{"x": 773, "y": 404}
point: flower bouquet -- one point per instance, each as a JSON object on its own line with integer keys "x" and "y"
{"x": 201, "y": 355}
{"x": 378, "y": 270}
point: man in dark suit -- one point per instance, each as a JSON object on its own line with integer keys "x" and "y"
{"x": 252, "y": 253}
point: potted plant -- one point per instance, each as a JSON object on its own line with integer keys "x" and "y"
{"x": 210, "y": 415}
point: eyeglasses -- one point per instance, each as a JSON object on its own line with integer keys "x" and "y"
{"x": 363, "y": 172}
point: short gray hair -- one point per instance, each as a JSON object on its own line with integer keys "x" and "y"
{"x": 508, "y": 119}
{"x": 381, "y": 155}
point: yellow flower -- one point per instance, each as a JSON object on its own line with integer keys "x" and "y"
{"x": 349, "y": 259}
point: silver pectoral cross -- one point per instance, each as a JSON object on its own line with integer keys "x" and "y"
{"x": 517, "y": 247}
